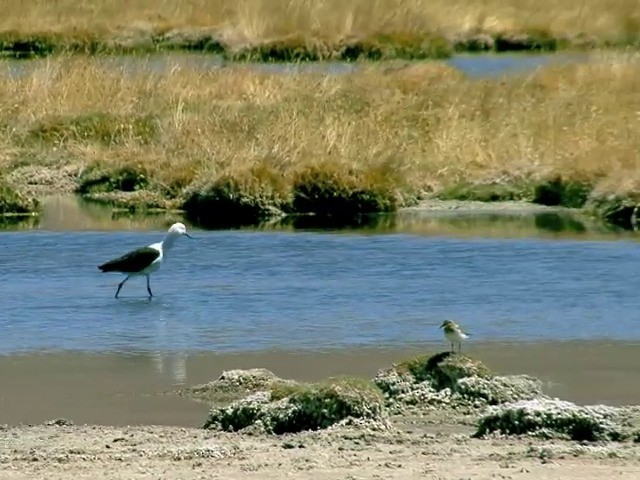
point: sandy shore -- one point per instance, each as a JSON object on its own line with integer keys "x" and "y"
{"x": 422, "y": 450}
{"x": 422, "y": 443}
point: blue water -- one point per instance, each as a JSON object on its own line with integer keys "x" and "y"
{"x": 473, "y": 65}
{"x": 250, "y": 290}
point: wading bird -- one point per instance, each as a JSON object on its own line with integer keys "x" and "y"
{"x": 145, "y": 260}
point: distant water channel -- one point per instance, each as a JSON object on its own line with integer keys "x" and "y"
{"x": 473, "y": 65}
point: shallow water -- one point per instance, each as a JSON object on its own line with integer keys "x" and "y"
{"x": 474, "y": 65}
{"x": 547, "y": 294}
{"x": 281, "y": 288}
{"x": 131, "y": 389}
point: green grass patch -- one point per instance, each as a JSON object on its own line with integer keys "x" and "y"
{"x": 102, "y": 127}
{"x": 13, "y": 202}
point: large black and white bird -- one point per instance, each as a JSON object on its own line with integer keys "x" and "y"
{"x": 145, "y": 260}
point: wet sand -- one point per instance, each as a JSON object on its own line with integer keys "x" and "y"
{"x": 126, "y": 389}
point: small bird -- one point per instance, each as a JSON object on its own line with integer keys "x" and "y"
{"x": 145, "y": 260}
{"x": 454, "y": 334}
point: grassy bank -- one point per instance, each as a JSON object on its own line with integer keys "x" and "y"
{"x": 236, "y": 145}
{"x": 315, "y": 29}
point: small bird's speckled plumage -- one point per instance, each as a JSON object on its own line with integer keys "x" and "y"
{"x": 453, "y": 333}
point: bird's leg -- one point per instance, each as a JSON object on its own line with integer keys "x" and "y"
{"x": 120, "y": 285}
{"x": 149, "y": 287}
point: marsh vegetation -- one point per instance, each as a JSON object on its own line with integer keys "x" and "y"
{"x": 262, "y": 143}
{"x": 276, "y": 30}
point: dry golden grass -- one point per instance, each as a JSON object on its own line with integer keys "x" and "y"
{"x": 251, "y": 21}
{"x": 390, "y": 131}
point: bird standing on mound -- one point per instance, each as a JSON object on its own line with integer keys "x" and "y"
{"x": 145, "y": 260}
{"x": 454, "y": 334}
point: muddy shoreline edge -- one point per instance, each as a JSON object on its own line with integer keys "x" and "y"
{"x": 444, "y": 414}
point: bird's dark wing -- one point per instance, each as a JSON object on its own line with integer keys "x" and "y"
{"x": 131, "y": 262}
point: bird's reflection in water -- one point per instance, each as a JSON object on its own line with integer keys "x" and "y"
{"x": 172, "y": 364}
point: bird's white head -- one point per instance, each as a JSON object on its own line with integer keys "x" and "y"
{"x": 178, "y": 229}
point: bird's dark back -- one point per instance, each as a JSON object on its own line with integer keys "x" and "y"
{"x": 131, "y": 262}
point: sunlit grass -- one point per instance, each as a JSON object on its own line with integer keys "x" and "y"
{"x": 364, "y": 141}
{"x": 314, "y": 25}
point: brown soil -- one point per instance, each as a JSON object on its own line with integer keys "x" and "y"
{"x": 426, "y": 451}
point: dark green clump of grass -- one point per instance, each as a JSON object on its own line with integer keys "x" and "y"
{"x": 100, "y": 179}
{"x": 297, "y": 48}
{"x": 529, "y": 41}
{"x": 36, "y": 45}
{"x": 101, "y": 127}
{"x": 241, "y": 199}
{"x": 327, "y": 191}
{"x": 14, "y": 45}
{"x": 484, "y": 192}
{"x": 558, "y": 191}
{"x": 396, "y": 46}
{"x": 288, "y": 49}
{"x": 13, "y": 202}
{"x": 618, "y": 210}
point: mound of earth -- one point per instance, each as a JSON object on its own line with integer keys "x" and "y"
{"x": 549, "y": 418}
{"x": 288, "y": 407}
{"x": 453, "y": 381}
